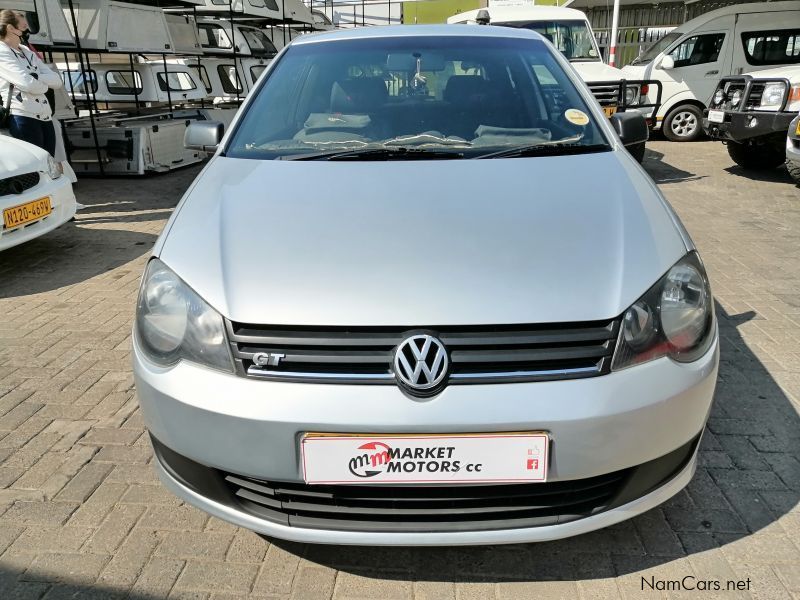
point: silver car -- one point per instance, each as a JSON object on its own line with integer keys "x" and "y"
{"x": 421, "y": 295}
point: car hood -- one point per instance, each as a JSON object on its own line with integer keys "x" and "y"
{"x": 423, "y": 243}
{"x": 637, "y": 71}
{"x": 591, "y": 71}
{"x": 17, "y": 157}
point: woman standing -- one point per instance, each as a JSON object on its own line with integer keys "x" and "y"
{"x": 26, "y": 78}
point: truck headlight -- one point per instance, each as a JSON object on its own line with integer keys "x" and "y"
{"x": 53, "y": 168}
{"x": 719, "y": 97}
{"x": 173, "y": 323}
{"x": 631, "y": 94}
{"x": 772, "y": 96}
{"x": 673, "y": 318}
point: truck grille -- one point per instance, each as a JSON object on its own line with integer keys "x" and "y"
{"x": 607, "y": 94}
{"x": 425, "y": 508}
{"x": 753, "y": 100}
{"x": 477, "y": 354}
{"x": 18, "y": 183}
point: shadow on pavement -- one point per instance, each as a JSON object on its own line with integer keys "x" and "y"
{"x": 75, "y": 252}
{"x": 69, "y": 255}
{"x": 745, "y": 481}
{"x": 662, "y": 172}
{"x": 776, "y": 175}
{"x": 34, "y": 584}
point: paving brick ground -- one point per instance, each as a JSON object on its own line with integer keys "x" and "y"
{"x": 83, "y": 516}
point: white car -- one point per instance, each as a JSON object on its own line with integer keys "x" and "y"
{"x": 35, "y": 192}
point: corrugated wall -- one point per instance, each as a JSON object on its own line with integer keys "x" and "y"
{"x": 642, "y": 24}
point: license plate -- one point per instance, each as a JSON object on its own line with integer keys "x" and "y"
{"x": 797, "y": 129}
{"x": 468, "y": 458}
{"x": 609, "y": 110}
{"x": 25, "y": 213}
{"x": 716, "y": 116}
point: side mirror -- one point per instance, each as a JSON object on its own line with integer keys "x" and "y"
{"x": 667, "y": 63}
{"x": 631, "y": 127}
{"x": 203, "y": 135}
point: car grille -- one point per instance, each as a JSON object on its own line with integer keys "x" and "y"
{"x": 607, "y": 94}
{"x": 478, "y": 354}
{"x": 425, "y": 508}
{"x": 18, "y": 183}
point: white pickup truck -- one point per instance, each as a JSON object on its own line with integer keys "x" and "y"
{"x": 570, "y": 32}
{"x": 751, "y": 113}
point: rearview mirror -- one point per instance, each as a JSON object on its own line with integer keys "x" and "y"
{"x": 203, "y": 135}
{"x": 667, "y": 63}
{"x": 631, "y": 127}
{"x": 429, "y": 61}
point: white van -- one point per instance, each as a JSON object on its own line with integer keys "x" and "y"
{"x": 690, "y": 60}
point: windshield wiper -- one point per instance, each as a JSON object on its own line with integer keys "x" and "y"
{"x": 378, "y": 154}
{"x": 546, "y": 150}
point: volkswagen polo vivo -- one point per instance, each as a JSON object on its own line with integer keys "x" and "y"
{"x": 422, "y": 295}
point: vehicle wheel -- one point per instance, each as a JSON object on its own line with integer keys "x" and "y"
{"x": 683, "y": 123}
{"x": 637, "y": 151}
{"x": 756, "y": 158}
{"x": 794, "y": 170}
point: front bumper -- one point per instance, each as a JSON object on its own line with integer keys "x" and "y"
{"x": 302, "y": 518}
{"x": 597, "y": 425}
{"x": 740, "y": 126}
{"x": 62, "y": 200}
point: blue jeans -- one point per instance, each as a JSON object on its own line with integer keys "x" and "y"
{"x": 36, "y": 132}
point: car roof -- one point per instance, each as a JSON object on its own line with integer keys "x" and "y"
{"x": 393, "y": 31}
{"x": 737, "y": 9}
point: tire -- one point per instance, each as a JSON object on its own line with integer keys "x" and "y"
{"x": 756, "y": 158}
{"x": 636, "y": 151}
{"x": 794, "y": 170}
{"x": 683, "y": 123}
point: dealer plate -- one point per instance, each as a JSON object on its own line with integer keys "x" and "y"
{"x": 609, "y": 110}
{"x": 26, "y": 213}
{"x": 467, "y": 458}
{"x": 716, "y": 116}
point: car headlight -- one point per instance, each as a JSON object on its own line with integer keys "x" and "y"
{"x": 719, "y": 97}
{"x": 631, "y": 94}
{"x": 772, "y": 96}
{"x": 173, "y": 323}
{"x": 53, "y": 168}
{"x": 736, "y": 98}
{"x": 673, "y": 318}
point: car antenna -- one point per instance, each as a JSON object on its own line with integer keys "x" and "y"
{"x": 483, "y": 17}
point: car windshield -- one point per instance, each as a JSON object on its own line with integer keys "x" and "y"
{"x": 656, "y": 49}
{"x": 573, "y": 39}
{"x": 449, "y": 96}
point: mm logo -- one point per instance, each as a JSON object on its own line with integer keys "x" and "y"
{"x": 373, "y": 461}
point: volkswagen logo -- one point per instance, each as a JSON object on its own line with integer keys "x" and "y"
{"x": 420, "y": 363}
